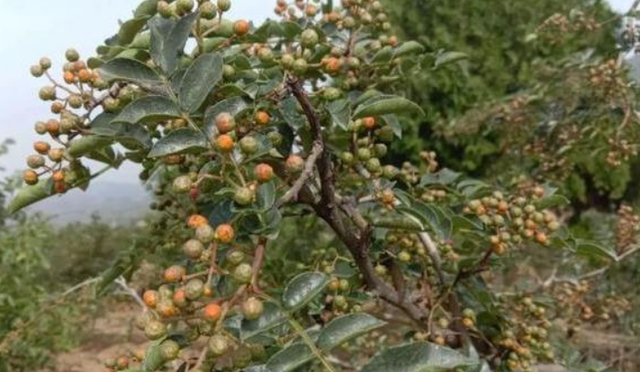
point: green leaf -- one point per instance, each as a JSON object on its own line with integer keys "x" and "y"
{"x": 256, "y": 368}
{"x": 552, "y": 201}
{"x": 179, "y": 140}
{"x": 134, "y": 136}
{"x": 419, "y": 357}
{"x": 290, "y": 358}
{"x": 213, "y": 43}
{"x": 31, "y": 194}
{"x": 410, "y": 47}
{"x": 302, "y": 289}
{"x": 134, "y": 53}
{"x": 271, "y": 317}
{"x": 385, "y": 105}
{"x": 340, "y": 112}
{"x": 234, "y": 106}
{"x": 291, "y": 29}
{"x": 398, "y": 223}
{"x": 148, "y": 109}
{"x": 127, "y": 69}
{"x": 87, "y": 144}
{"x": 106, "y": 155}
{"x": 201, "y": 77}
{"x": 393, "y": 122}
{"x": 384, "y": 55}
{"x": 443, "y": 177}
{"x": 130, "y": 29}
{"x": 168, "y": 39}
{"x": 345, "y": 328}
{"x": 266, "y": 195}
{"x": 152, "y": 358}
{"x": 433, "y": 216}
{"x": 445, "y": 58}
{"x": 124, "y": 265}
{"x": 291, "y": 113}
{"x": 595, "y": 250}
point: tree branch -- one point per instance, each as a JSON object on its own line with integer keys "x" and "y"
{"x": 258, "y": 261}
{"x": 309, "y": 165}
{"x": 357, "y": 236}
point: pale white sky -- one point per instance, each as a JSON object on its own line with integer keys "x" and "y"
{"x": 30, "y": 29}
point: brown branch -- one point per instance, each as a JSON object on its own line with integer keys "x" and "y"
{"x": 258, "y": 261}
{"x": 399, "y": 283}
{"x": 309, "y": 165}
{"x": 95, "y": 102}
{"x": 356, "y": 238}
{"x": 325, "y": 167}
{"x": 213, "y": 266}
{"x": 434, "y": 255}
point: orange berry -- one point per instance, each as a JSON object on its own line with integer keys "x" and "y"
{"x": 541, "y": 238}
{"x": 225, "y": 233}
{"x": 30, "y": 177}
{"x": 180, "y": 298}
{"x": 212, "y": 312}
{"x": 538, "y": 191}
{"x": 332, "y": 65}
{"x": 167, "y": 309}
{"x": 263, "y": 172}
{"x": 57, "y": 107}
{"x": 225, "y": 143}
{"x": 151, "y": 298}
{"x": 196, "y": 220}
{"x": 262, "y": 118}
{"x": 241, "y": 27}
{"x": 58, "y": 176}
{"x": 123, "y": 362}
{"x": 69, "y": 77}
{"x": 294, "y": 164}
{"x": 499, "y": 249}
{"x": 393, "y": 40}
{"x": 503, "y": 207}
{"x": 41, "y": 147}
{"x": 174, "y": 274}
{"x": 84, "y": 75}
{"x": 369, "y": 123}
{"x": 53, "y": 127}
{"x": 481, "y": 210}
{"x": 468, "y": 322}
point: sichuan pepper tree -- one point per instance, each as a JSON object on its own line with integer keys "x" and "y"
{"x": 243, "y": 130}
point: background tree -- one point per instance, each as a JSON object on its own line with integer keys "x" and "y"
{"x": 501, "y": 59}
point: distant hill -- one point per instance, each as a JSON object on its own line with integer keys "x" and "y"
{"x": 114, "y": 202}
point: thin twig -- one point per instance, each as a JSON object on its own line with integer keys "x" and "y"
{"x": 122, "y": 282}
{"x": 258, "y": 261}
{"x": 309, "y": 166}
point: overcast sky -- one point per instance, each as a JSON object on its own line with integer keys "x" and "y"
{"x": 31, "y": 29}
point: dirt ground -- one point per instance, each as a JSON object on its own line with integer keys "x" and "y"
{"x": 109, "y": 337}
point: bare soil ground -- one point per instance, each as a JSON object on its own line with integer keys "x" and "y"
{"x": 109, "y": 337}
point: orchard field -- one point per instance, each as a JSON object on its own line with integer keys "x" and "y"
{"x": 354, "y": 185}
